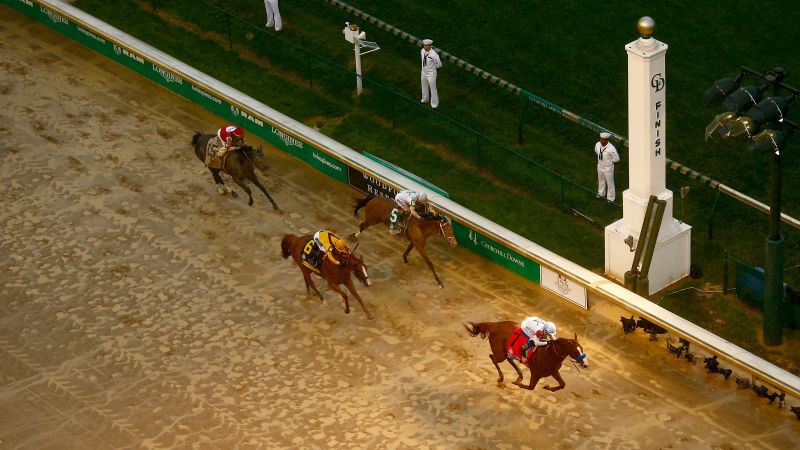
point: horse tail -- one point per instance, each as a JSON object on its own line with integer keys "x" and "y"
{"x": 196, "y": 138}
{"x": 475, "y": 329}
{"x": 286, "y": 245}
{"x": 360, "y": 204}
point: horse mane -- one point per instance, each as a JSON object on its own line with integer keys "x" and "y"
{"x": 286, "y": 245}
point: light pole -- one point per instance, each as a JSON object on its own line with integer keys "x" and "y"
{"x": 765, "y": 127}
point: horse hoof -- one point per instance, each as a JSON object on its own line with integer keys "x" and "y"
{"x": 274, "y": 207}
{"x": 441, "y": 286}
{"x": 233, "y": 193}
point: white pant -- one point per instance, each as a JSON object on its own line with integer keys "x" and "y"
{"x": 605, "y": 184}
{"x": 429, "y": 90}
{"x": 273, "y": 14}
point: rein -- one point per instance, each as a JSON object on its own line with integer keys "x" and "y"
{"x": 580, "y": 357}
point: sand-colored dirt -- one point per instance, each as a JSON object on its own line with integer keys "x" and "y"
{"x": 139, "y": 308}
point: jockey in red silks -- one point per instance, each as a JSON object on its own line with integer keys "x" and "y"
{"x": 230, "y": 137}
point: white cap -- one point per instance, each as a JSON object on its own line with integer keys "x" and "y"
{"x": 605, "y": 135}
{"x": 427, "y": 42}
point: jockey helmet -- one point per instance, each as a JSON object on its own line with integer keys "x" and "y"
{"x": 550, "y": 328}
{"x": 231, "y": 134}
{"x": 423, "y": 197}
{"x": 341, "y": 246}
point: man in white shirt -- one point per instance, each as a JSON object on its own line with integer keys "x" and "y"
{"x": 607, "y": 156}
{"x": 430, "y": 65}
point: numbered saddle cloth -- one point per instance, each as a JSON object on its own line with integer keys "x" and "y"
{"x": 397, "y": 219}
{"x": 515, "y": 342}
{"x": 213, "y": 161}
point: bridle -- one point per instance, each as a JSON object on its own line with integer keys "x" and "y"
{"x": 450, "y": 238}
{"x": 573, "y": 361}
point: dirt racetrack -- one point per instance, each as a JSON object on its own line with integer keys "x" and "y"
{"x": 139, "y": 308}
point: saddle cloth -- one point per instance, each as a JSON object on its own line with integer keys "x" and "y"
{"x": 312, "y": 256}
{"x": 213, "y": 161}
{"x": 515, "y": 343}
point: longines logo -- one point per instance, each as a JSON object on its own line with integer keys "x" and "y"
{"x": 657, "y": 82}
{"x": 288, "y": 140}
{"x": 168, "y": 76}
{"x": 53, "y": 16}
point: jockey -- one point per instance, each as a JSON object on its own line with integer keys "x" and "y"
{"x": 408, "y": 202}
{"x": 230, "y": 137}
{"x": 538, "y": 331}
{"x": 329, "y": 244}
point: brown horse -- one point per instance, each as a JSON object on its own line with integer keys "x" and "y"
{"x": 334, "y": 274}
{"x": 377, "y": 210}
{"x": 545, "y": 361}
{"x": 239, "y": 164}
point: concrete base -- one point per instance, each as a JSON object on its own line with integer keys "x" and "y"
{"x": 671, "y": 258}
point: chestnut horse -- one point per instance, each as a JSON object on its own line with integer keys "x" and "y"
{"x": 331, "y": 272}
{"x": 239, "y": 164}
{"x": 377, "y": 210}
{"x": 545, "y": 361}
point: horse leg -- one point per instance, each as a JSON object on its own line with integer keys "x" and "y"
{"x": 310, "y": 282}
{"x": 352, "y": 290}
{"x": 519, "y": 372}
{"x": 336, "y": 288}
{"x": 221, "y": 187}
{"x": 361, "y": 227}
{"x": 429, "y": 263}
{"x": 408, "y": 250}
{"x": 560, "y": 380}
{"x": 244, "y": 187}
{"x": 254, "y": 179}
{"x": 534, "y": 380}
{"x": 497, "y": 366}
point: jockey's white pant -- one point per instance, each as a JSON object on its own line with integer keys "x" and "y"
{"x": 429, "y": 92}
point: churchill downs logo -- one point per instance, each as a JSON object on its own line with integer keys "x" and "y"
{"x": 473, "y": 237}
{"x": 562, "y": 284}
{"x": 53, "y": 16}
{"x": 169, "y": 77}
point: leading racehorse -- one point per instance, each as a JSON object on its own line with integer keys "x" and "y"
{"x": 545, "y": 361}
{"x": 239, "y": 164}
{"x": 377, "y": 210}
{"x": 331, "y": 272}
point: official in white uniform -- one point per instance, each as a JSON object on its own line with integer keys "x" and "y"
{"x": 607, "y": 156}
{"x": 273, "y": 15}
{"x": 430, "y": 65}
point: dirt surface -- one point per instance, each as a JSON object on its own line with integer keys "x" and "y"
{"x": 139, "y": 308}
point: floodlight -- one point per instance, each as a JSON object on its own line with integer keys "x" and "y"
{"x": 719, "y": 125}
{"x": 744, "y": 127}
{"x": 744, "y": 98}
{"x": 772, "y": 109}
{"x": 767, "y": 141}
{"x": 721, "y": 89}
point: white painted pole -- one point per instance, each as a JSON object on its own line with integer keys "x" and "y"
{"x": 357, "y": 50}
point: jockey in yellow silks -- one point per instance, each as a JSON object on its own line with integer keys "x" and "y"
{"x": 331, "y": 245}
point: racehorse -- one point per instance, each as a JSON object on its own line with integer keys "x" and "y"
{"x": 334, "y": 274}
{"x": 239, "y": 164}
{"x": 377, "y": 210}
{"x": 545, "y": 361}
